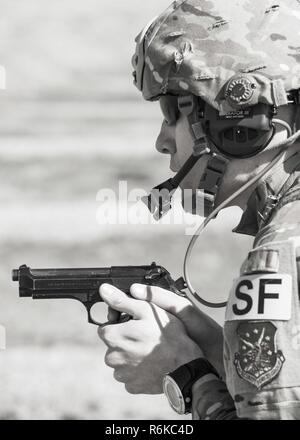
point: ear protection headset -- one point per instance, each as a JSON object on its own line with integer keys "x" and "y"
{"x": 240, "y": 134}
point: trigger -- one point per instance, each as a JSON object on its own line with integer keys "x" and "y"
{"x": 124, "y": 318}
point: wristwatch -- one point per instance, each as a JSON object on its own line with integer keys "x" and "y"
{"x": 178, "y": 384}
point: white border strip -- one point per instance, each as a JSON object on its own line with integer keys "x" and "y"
{"x": 2, "y": 78}
{"x": 2, "y": 338}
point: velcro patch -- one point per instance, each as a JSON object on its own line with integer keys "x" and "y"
{"x": 261, "y": 260}
{"x": 260, "y": 297}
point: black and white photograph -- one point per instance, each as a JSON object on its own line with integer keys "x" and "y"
{"x": 150, "y": 213}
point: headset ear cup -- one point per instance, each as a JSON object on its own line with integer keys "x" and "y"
{"x": 243, "y": 142}
{"x": 241, "y": 133}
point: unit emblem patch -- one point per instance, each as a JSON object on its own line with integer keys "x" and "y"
{"x": 258, "y": 361}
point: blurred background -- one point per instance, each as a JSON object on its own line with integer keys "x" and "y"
{"x": 72, "y": 123}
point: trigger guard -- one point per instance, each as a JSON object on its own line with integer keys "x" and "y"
{"x": 122, "y": 319}
{"x": 92, "y": 321}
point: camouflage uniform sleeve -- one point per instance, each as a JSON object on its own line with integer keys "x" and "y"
{"x": 212, "y": 401}
{"x": 261, "y": 340}
{"x": 261, "y": 333}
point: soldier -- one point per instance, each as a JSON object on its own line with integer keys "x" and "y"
{"x": 227, "y": 78}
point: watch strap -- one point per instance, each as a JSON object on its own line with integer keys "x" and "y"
{"x": 186, "y": 375}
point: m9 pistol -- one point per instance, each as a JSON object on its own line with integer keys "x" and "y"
{"x": 83, "y": 284}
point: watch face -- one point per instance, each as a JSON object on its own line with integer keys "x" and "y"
{"x": 174, "y": 395}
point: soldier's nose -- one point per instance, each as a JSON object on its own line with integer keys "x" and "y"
{"x": 166, "y": 147}
{"x": 165, "y": 142}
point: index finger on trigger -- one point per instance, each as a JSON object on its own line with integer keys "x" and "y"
{"x": 113, "y": 315}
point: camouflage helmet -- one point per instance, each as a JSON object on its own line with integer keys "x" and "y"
{"x": 230, "y": 54}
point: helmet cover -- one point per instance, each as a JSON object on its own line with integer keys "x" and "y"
{"x": 232, "y": 54}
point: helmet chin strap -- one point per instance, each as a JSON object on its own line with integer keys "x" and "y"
{"x": 191, "y": 293}
{"x": 159, "y": 199}
{"x": 217, "y": 164}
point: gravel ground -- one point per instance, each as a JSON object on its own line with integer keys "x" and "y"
{"x": 65, "y": 383}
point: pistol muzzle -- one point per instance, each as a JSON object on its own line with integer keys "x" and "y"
{"x": 15, "y": 274}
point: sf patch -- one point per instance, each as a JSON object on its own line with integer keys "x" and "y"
{"x": 258, "y": 361}
{"x": 266, "y": 297}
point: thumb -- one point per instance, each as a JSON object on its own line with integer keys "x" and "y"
{"x": 165, "y": 299}
{"x": 119, "y": 301}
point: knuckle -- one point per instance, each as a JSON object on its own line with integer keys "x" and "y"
{"x": 100, "y": 332}
{"x": 145, "y": 305}
{"x": 144, "y": 308}
{"x": 111, "y": 359}
{"x": 119, "y": 376}
{"x": 112, "y": 300}
{"x": 125, "y": 374}
{"x": 131, "y": 388}
{"x": 116, "y": 301}
{"x": 108, "y": 335}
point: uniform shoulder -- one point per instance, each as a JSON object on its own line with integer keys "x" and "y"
{"x": 285, "y": 225}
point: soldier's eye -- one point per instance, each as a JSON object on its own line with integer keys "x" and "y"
{"x": 169, "y": 108}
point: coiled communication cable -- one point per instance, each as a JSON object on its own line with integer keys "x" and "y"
{"x": 191, "y": 293}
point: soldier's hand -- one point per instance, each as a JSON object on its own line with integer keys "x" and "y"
{"x": 200, "y": 327}
{"x": 148, "y": 346}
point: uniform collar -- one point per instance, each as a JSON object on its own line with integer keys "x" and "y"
{"x": 268, "y": 194}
